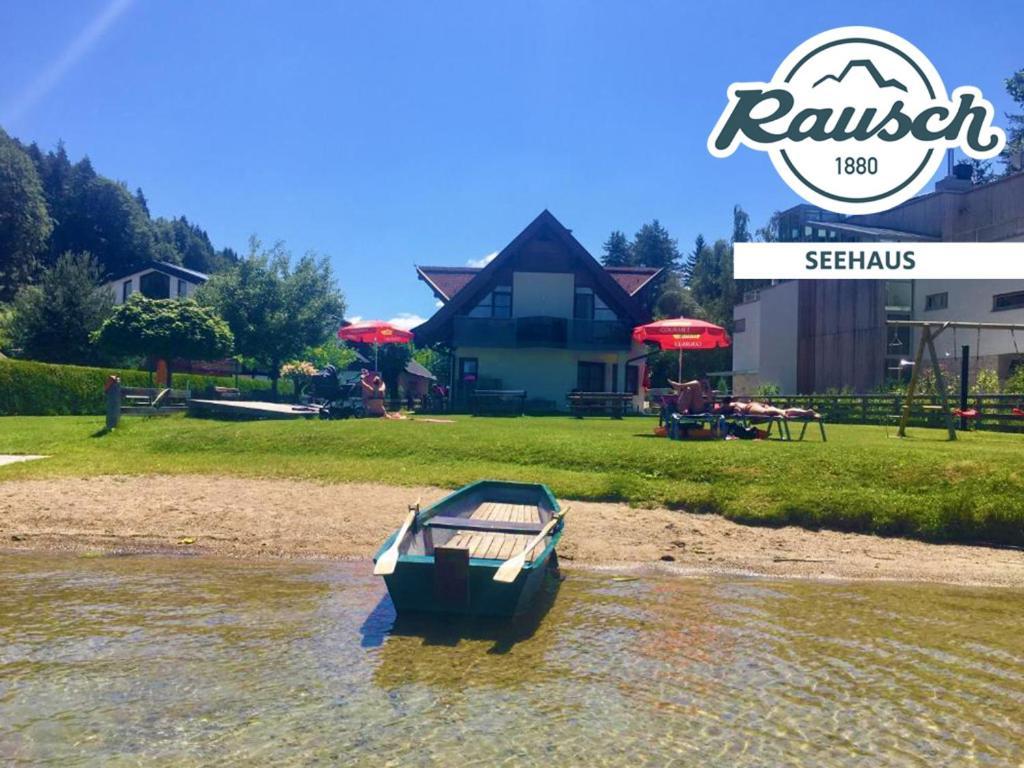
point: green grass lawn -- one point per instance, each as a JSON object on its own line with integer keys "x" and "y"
{"x": 924, "y": 487}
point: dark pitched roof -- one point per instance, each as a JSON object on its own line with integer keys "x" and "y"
{"x": 545, "y": 220}
{"x": 445, "y": 282}
{"x": 168, "y": 269}
{"x": 633, "y": 279}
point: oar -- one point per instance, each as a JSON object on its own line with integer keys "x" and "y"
{"x": 386, "y": 563}
{"x": 509, "y": 570}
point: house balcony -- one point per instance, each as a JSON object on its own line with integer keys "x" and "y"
{"x": 547, "y": 332}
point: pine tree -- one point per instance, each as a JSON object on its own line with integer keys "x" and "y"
{"x": 653, "y": 246}
{"x": 617, "y": 250}
{"x": 686, "y": 270}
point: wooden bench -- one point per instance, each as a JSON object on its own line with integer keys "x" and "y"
{"x": 612, "y": 404}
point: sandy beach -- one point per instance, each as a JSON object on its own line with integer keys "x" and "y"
{"x": 292, "y": 518}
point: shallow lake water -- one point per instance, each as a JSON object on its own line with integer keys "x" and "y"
{"x": 184, "y": 661}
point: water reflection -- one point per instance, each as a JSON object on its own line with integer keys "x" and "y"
{"x": 194, "y": 661}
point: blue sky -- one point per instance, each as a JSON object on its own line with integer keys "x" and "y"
{"x": 391, "y": 134}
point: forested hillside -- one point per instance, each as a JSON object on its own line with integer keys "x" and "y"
{"x": 50, "y": 205}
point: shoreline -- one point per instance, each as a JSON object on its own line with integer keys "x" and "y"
{"x": 299, "y": 519}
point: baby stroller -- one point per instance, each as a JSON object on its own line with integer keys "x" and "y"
{"x": 337, "y": 394}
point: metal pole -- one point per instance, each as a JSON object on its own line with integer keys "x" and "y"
{"x": 965, "y": 375}
{"x": 679, "y": 375}
{"x": 112, "y": 387}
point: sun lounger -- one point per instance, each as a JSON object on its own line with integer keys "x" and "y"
{"x": 783, "y": 425}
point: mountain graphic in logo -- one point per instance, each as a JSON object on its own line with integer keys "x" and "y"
{"x": 867, "y": 65}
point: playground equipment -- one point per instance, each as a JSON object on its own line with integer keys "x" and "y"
{"x": 930, "y": 330}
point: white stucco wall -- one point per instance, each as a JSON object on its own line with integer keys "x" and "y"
{"x": 117, "y": 286}
{"x": 971, "y": 301}
{"x": 547, "y": 294}
{"x": 765, "y": 353}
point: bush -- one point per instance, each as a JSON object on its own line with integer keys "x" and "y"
{"x": 41, "y": 389}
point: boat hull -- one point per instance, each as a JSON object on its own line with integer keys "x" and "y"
{"x": 413, "y": 589}
{"x": 461, "y": 579}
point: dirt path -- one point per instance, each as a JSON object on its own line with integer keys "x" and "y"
{"x": 292, "y": 518}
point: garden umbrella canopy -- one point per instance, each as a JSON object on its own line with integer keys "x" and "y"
{"x": 682, "y": 333}
{"x": 374, "y": 332}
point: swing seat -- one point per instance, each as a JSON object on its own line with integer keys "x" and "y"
{"x": 1018, "y": 411}
{"x": 966, "y": 413}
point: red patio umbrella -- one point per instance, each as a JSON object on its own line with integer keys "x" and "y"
{"x": 374, "y": 332}
{"x": 681, "y": 333}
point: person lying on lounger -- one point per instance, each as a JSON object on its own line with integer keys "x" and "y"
{"x": 693, "y": 396}
{"x": 763, "y": 409}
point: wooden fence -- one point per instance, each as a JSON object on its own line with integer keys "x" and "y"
{"x": 995, "y": 411}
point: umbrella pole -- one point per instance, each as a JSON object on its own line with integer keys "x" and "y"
{"x": 376, "y": 355}
{"x": 679, "y": 375}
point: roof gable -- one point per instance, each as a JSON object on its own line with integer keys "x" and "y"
{"x": 446, "y": 282}
{"x": 543, "y": 228}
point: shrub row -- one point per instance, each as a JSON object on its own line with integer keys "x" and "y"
{"x": 41, "y": 389}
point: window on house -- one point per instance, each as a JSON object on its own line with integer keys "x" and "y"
{"x": 935, "y": 301}
{"x": 632, "y": 379}
{"x": 182, "y": 289}
{"x": 1004, "y": 301}
{"x": 590, "y": 377}
{"x": 740, "y": 325}
{"x": 588, "y": 306}
{"x": 126, "y": 290}
{"x": 497, "y": 303}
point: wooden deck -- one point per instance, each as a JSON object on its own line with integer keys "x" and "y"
{"x": 498, "y": 546}
{"x": 248, "y": 409}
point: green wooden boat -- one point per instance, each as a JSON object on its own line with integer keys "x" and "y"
{"x": 484, "y": 550}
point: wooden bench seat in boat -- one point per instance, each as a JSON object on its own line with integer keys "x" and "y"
{"x": 492, "y": 531}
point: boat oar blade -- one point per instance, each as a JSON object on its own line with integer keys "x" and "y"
{"x": 509, "y": 570}
{"x": 387, "y": 562}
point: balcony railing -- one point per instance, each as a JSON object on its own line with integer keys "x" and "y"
{"x": 540, "y": 331}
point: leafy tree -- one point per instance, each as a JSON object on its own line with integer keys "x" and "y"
{"x": 676, "y": 300}
{"x": 165, "y": 329}
{"x": 434, "y": 361}
{"x": 981, "y": 170}
{"x": 770, "y": 232}
{"x": 712, "y": 282}
{"x": 331, "y": 352}
{"x": 274, "y": 310}
{"x": 617, "y": 250}
{"x": 53, "y": 321}
{"x": 1014, "y": 148}
{"x": 653, "y": 246}
{"x": 25, "y": 224}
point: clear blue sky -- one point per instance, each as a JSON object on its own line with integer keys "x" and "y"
{"x": 389, "y": 134}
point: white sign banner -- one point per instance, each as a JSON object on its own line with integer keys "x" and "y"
{"x": 882, "y": 261}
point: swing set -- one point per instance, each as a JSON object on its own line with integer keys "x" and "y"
{"x": 930, "y": 330}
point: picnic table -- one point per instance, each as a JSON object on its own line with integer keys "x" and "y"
{"x": 612, "y": 404}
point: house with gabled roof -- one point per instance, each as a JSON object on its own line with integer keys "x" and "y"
{"x": 543, "y": 316}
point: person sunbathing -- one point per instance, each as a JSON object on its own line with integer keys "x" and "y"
{"x": 756, "y": 409}
{"x": 693, "y": 396}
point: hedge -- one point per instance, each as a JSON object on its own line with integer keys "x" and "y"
{"x": 41, "y": 389}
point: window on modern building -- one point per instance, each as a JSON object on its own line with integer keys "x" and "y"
{"x": 1004, "y": 301}
{"x": 740, "y": 325}
{"x": 497, "y": 303}
{"x": 182, "y": 288}
{"x": 899, "y": 295}
{"x": 936, "y": 301}
{"x": 126, "y": 290}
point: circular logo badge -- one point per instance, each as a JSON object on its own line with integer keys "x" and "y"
{"x": 856, "y": 120}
